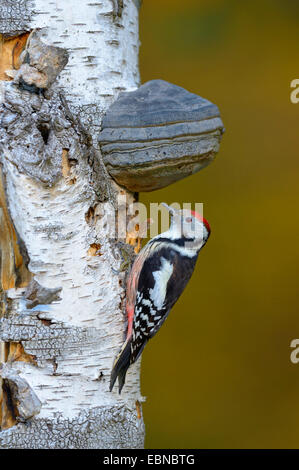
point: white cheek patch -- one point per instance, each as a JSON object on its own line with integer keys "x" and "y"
{"x": 158, "y": 293}
{"x": 194, "y": 230}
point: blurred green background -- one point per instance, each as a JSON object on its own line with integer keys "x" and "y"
{"x": 219, "y": 374}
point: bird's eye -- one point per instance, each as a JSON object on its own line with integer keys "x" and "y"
{"x": 189, "y": 219}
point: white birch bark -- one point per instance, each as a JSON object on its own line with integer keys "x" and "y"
{"x": 59, "y": 203}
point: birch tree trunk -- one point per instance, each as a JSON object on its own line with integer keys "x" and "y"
{"x": 62, "y": 295}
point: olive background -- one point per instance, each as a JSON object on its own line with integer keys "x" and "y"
{"x": 218, "y": 374}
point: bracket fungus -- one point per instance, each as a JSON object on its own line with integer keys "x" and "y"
{"x": 159, "y": 134}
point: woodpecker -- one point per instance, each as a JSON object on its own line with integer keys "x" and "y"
{"x": 158, "y": 277}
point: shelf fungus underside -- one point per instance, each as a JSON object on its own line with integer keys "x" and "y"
{"x": 159, "y": 134}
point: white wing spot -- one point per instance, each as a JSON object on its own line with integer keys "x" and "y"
{"x": 158, "y": 293}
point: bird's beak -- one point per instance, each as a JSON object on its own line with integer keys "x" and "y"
{"x": 170, "y": 209}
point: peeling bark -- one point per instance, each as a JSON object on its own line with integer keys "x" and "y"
{"x": 62, "y": 297}
{"x": 23, "y": 400}
{"x": 40, "y": 64}
{"x": 37, "y": 294}
{"x": 13, "y": 254}
{"x": 11, "y": 49}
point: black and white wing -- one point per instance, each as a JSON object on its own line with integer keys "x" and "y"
{"x": 163, "y": 278}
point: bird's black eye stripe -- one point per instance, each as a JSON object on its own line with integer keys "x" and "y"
{"x": 177, "y": 241}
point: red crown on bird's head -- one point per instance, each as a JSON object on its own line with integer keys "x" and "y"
{"x": 202, "y": 219}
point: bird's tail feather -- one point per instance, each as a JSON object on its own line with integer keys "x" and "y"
{"x": 120, "y": 366}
